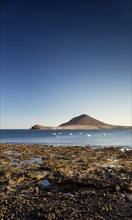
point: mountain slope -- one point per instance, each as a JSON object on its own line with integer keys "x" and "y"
{"x": 83, "y": 120}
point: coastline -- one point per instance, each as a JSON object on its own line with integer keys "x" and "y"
{"x": 81, "y": 127}
{"x": 46, "y": 182}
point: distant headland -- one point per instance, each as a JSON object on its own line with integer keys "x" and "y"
{"x": 82, "y": 122}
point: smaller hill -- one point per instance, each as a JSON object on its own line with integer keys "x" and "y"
{"x": 40, "y": 127}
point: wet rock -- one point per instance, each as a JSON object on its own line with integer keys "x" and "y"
{"x": 45, "y": 182}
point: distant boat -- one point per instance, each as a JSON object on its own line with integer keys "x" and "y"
{"x": 54, "y": 134}
{"x": 104, "y": 134}
{"x": 88, "y": 135}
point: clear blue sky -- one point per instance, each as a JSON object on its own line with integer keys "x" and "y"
{"x": 60, "y": 59}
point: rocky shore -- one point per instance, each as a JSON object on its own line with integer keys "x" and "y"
{"x": 46, "y": 182}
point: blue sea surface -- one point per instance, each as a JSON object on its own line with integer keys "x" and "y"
{"x": 121, "y": 137}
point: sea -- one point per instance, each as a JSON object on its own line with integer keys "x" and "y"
{"x": 95, "y": 138}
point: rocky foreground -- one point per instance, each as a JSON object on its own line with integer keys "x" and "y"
{"x": 46, "y": 182}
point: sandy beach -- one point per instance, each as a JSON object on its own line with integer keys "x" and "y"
{"x": 46, "y": 182}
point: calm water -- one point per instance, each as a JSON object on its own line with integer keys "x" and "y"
{"x": 66, "y": 137}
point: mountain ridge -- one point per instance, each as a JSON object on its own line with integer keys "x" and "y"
{"x": 81, "y": 122}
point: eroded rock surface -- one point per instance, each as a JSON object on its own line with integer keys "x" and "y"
{"x": 46, "y": 182}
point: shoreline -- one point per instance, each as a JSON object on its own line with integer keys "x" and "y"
{"x": 19, "y": 144}
{"x": 46, "y": 182}
{"x": 78, "y": 127}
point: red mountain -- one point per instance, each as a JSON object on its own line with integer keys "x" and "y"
{"x": 83, "y": 120}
